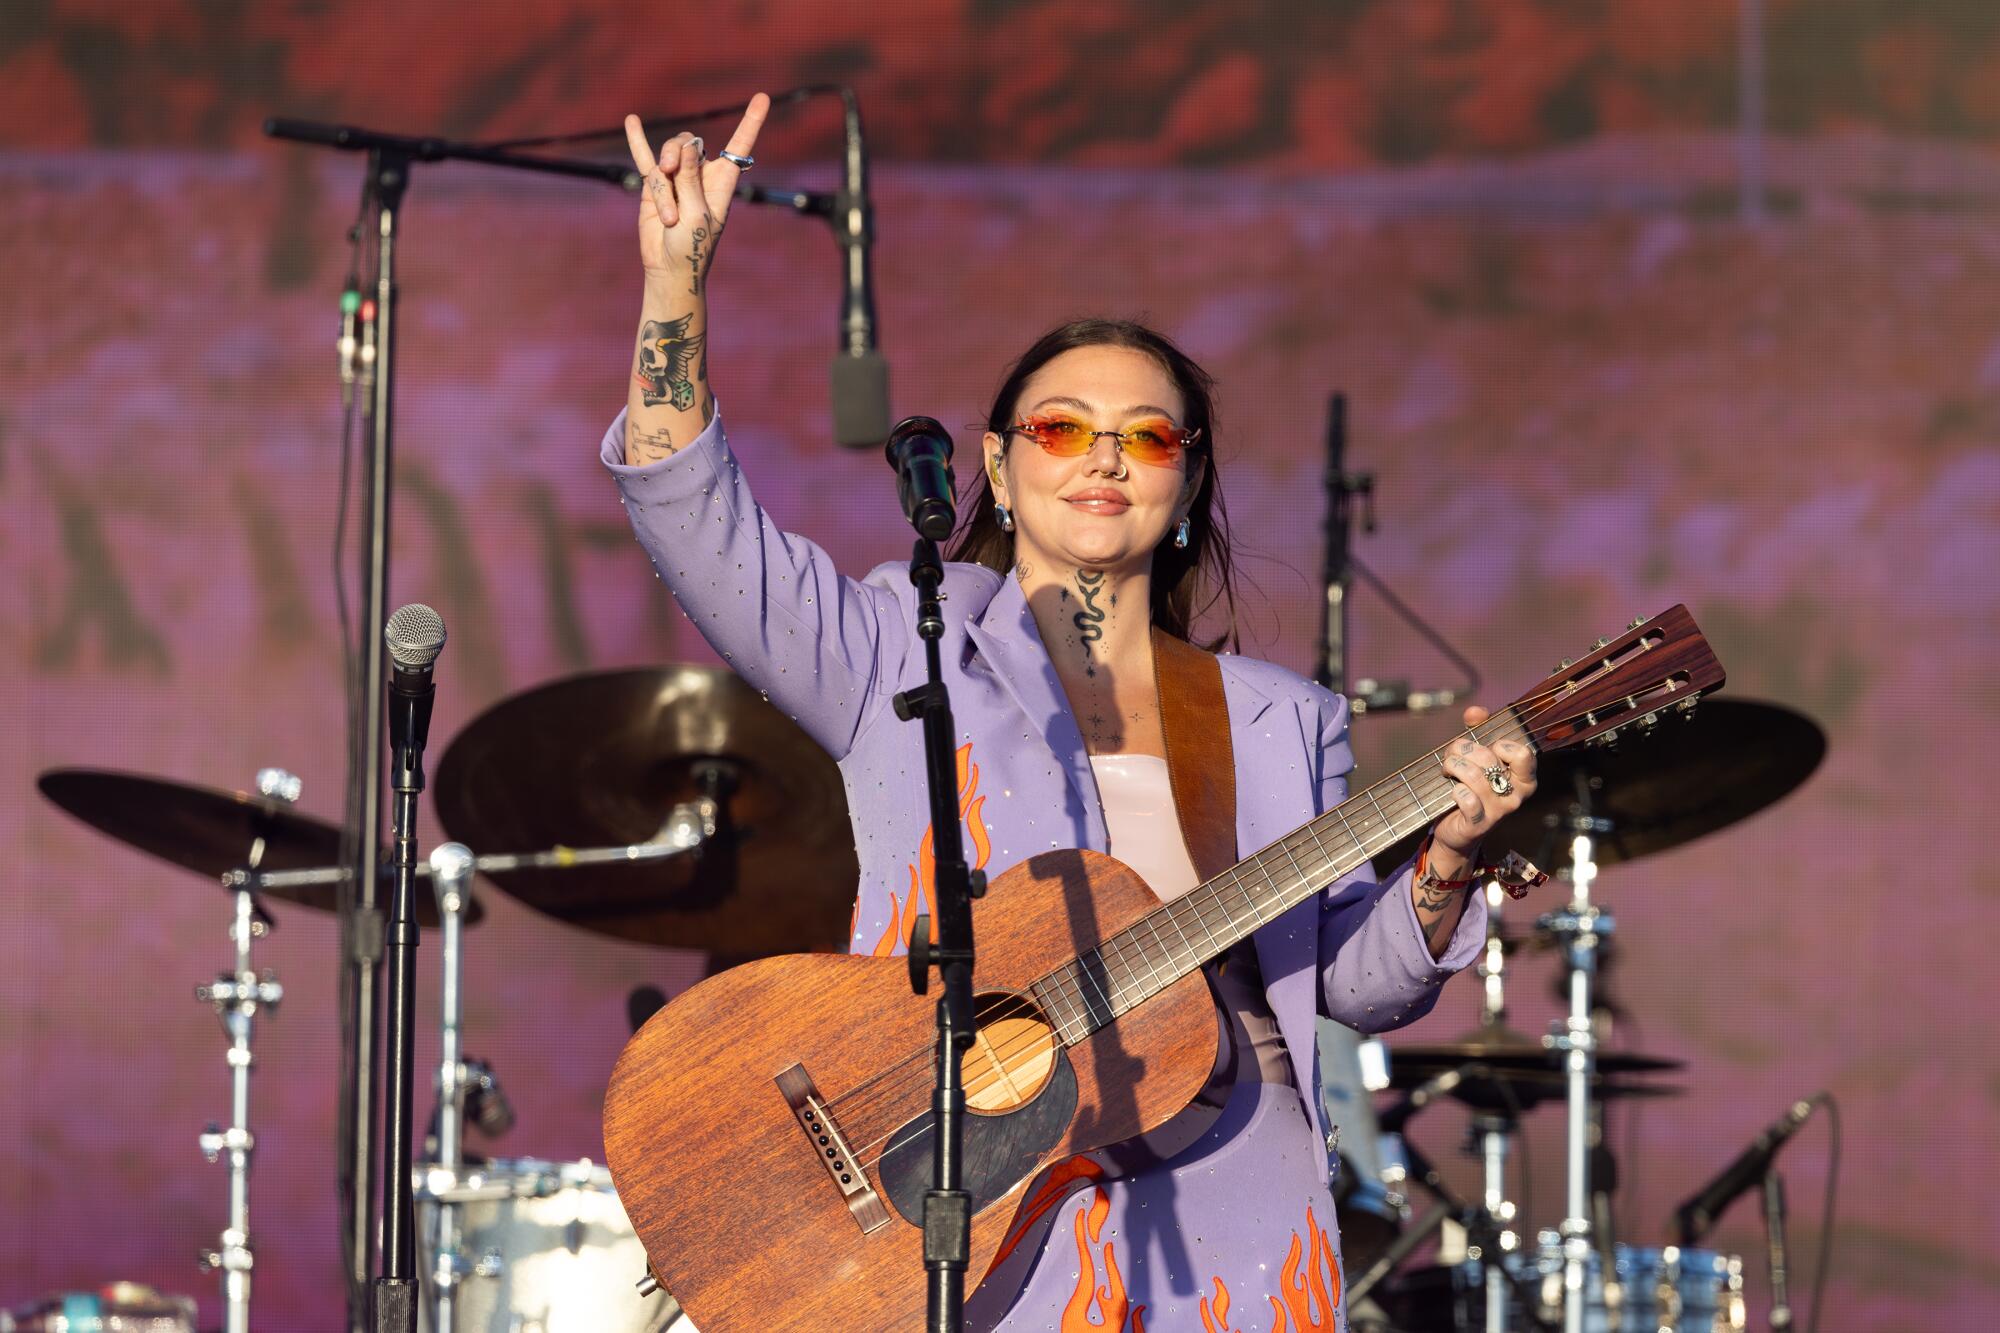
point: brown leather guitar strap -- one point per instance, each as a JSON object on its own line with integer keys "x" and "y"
{"x": 1201, "y": 759}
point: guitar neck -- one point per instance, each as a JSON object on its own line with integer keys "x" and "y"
{"x": 1132, "y": 966}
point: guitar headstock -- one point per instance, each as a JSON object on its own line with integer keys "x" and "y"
{"x": 1656, "y": 667}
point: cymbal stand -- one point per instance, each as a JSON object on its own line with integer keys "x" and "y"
{"x": 1492, "y": 1130}
{"x": 1580, "y": 926}
{"x": 237, "y": 995}
{"x": 451, "y": 867}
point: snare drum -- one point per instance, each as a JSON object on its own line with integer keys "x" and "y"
{"x": 539, "y": 1247}
{"x": 1668, "y": 1290}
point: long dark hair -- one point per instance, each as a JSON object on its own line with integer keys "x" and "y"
{"x": 1188, "y": 581}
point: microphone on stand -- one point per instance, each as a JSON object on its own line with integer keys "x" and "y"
{"x": 859, "y": 376}
{"x": 1698, "y": 1214}
{"x": 920, "y": 451}
{"x": 415, "y": 637}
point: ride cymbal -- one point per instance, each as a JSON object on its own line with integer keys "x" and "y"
{"x": 212, "y": 831}
{"x": 1687, "y": 778}
{"x": 619, "y": 758}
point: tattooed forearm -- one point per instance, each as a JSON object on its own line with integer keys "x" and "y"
{"x": 648, "y": 446}
{"x": 1438, "y": 910}
{"x": 696, "y": 259}
{"x": 1089, "y": 621}
{"x": 670, "y": 359}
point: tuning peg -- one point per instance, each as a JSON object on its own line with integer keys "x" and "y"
{"x": 1604, "y": 643}
{"x": 1564, "y": 665}
{"x": 1686, "y": 708}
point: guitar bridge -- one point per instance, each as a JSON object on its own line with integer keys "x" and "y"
{"x": 828, "y": 1144}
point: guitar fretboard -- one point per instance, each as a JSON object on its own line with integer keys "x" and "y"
{"x": 1137, "y": 963}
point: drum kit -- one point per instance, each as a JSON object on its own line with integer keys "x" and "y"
{"x": 677, "y": 807}
{"x": 1593, "y": 808}
{"x": 670, "y": 807}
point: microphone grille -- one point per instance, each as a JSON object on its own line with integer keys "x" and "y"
{"x": 415, "y": 636}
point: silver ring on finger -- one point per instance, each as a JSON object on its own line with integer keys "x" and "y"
{"x": 743, "y": 161}
{"x": 1496, "y": 777}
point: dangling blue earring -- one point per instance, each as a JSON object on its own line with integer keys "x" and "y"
{"x": 1181, "y": 535}
{"x": 1006, "y": 518}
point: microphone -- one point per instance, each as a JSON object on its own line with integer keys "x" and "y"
{"x": 643, "y": 1003}
{"x": 486, "y": 1103}
{"x": 920, "y": 451}
{"x": 1390, "y": 696}
{"x": 859, "y": 376}
{"x": 415, "y": 637}
{"x": 1699, "y": 1213}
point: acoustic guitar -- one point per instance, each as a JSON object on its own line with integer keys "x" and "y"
{"x": 769, "y": 1131}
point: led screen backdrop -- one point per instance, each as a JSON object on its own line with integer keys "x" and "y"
{"x": 1602, "y": 352}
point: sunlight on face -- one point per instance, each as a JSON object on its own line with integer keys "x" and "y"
{"x": 1076, "y": 511}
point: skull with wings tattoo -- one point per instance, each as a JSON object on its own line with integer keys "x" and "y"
{"x": 670, "y": 361}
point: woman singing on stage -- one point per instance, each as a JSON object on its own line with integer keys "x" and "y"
{"x": 1093, "y": 539}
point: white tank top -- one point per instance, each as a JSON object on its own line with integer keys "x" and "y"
{"x": 1144, "y": 831}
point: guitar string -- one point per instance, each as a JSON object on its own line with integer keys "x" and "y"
{"x": 1009, "y": 1058}
{"x": 1029, "y": 1045}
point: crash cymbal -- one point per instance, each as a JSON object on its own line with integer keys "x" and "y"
{"x": 606, "y": 759}
{"x": 1506, "y": 1053}
{"x": 1515, "y": 1071}
{"x": 1691, "y": 776}
{"x": 212, "y": 831}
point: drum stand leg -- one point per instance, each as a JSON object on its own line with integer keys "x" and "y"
{"x": 237, "y": 996}
{"x": 451, "y": 878}
{"x": 1493, "y": 1132}
{"x": 1581, "y": 926}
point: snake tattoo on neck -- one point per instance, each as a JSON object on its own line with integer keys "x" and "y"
{"x": 1089, "y": 620}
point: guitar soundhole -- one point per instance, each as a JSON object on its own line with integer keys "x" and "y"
{"x": 1012, "y": 1054}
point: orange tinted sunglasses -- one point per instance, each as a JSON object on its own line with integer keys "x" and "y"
{"x": 1158, "y": 442}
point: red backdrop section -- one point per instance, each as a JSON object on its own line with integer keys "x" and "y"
{"x": 1587, "y": 387}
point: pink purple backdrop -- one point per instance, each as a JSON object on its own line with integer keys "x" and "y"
{"x": 1509, "y": 231}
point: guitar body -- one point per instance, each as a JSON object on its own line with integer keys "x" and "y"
{"x": 741, "y": 1210}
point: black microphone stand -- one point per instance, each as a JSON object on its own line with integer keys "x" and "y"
{"x": 947, "y": 1207}
{"x": 396, "y": 1287}
{"x": 1338, "y": 573}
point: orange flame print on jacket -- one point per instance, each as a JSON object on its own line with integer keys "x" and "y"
{"x": 1309, "y": 1285}
{"x": 1060, "y": 1177}
{"x": 1312, "y": 1297}
{"x": 923, "y": 875}
{"x": 1112, "y": 1307}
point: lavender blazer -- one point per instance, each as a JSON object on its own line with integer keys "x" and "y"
{"x": 831, "y": 651}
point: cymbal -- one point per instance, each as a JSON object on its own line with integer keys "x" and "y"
{"x": 1506, "y": 1053}
{"x": 1516, "y": 1071}
{"x": 1693, "y": 775}
{"x": 212, "y": 831}
{"x": 604, "y": 759}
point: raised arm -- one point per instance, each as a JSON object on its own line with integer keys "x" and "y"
{"x": 825, "y": 649}
{"x": 682, "y": 208}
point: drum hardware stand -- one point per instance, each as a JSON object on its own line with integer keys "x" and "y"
{"x": 237, "y": 996}
{"x": 1581, "y": 926}
{"x": 451, "y": 879}
{"x": 1492, "y": 1130}
{"x": 1774, "y": 1232}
